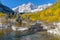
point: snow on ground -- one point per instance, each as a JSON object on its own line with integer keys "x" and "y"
{"x": 19, "y": 28}
{"x": 55, "y": 31}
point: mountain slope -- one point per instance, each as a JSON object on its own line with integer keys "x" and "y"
{"x": 31, "y": 7}
{"x": 51, "y": 14}
{"x": 5, "y": 9}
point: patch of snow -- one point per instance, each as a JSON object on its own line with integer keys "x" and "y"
{"x": 22, "y": 29}
{"x": 19, "y": 28}
{"x": 13, "y": 28}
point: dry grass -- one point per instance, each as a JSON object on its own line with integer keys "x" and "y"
{"x": 55, "y": 38}
{"x": 47, "y": 36}
{"x": 4, "y": 31}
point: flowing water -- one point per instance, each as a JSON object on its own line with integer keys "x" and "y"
{"x": 35, "y": 36}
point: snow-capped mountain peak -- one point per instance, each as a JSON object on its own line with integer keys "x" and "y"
{"x": 29, "y": 3}
{"x": 49, "y": 4}
{"x": 25, "y": 8}
{"x": 30, "y": 7}
{"x": 23, "y": 4}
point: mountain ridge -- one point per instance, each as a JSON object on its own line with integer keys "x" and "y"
{"x": 30, "y": 7}
{"x": 5, "y": 9}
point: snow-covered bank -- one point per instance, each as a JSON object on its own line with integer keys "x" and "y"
{"x": 55, "y": 31}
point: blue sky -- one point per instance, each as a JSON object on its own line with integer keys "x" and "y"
{"x": 14, "y": 3}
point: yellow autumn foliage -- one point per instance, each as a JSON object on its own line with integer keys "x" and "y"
{"x": 51, "y": 14}
{"x": 2, "y": 14}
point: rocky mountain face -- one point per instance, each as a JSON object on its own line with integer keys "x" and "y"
{"x": 30, "y": 7}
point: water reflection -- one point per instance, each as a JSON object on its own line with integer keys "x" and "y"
{"x": 35, "y": 36}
